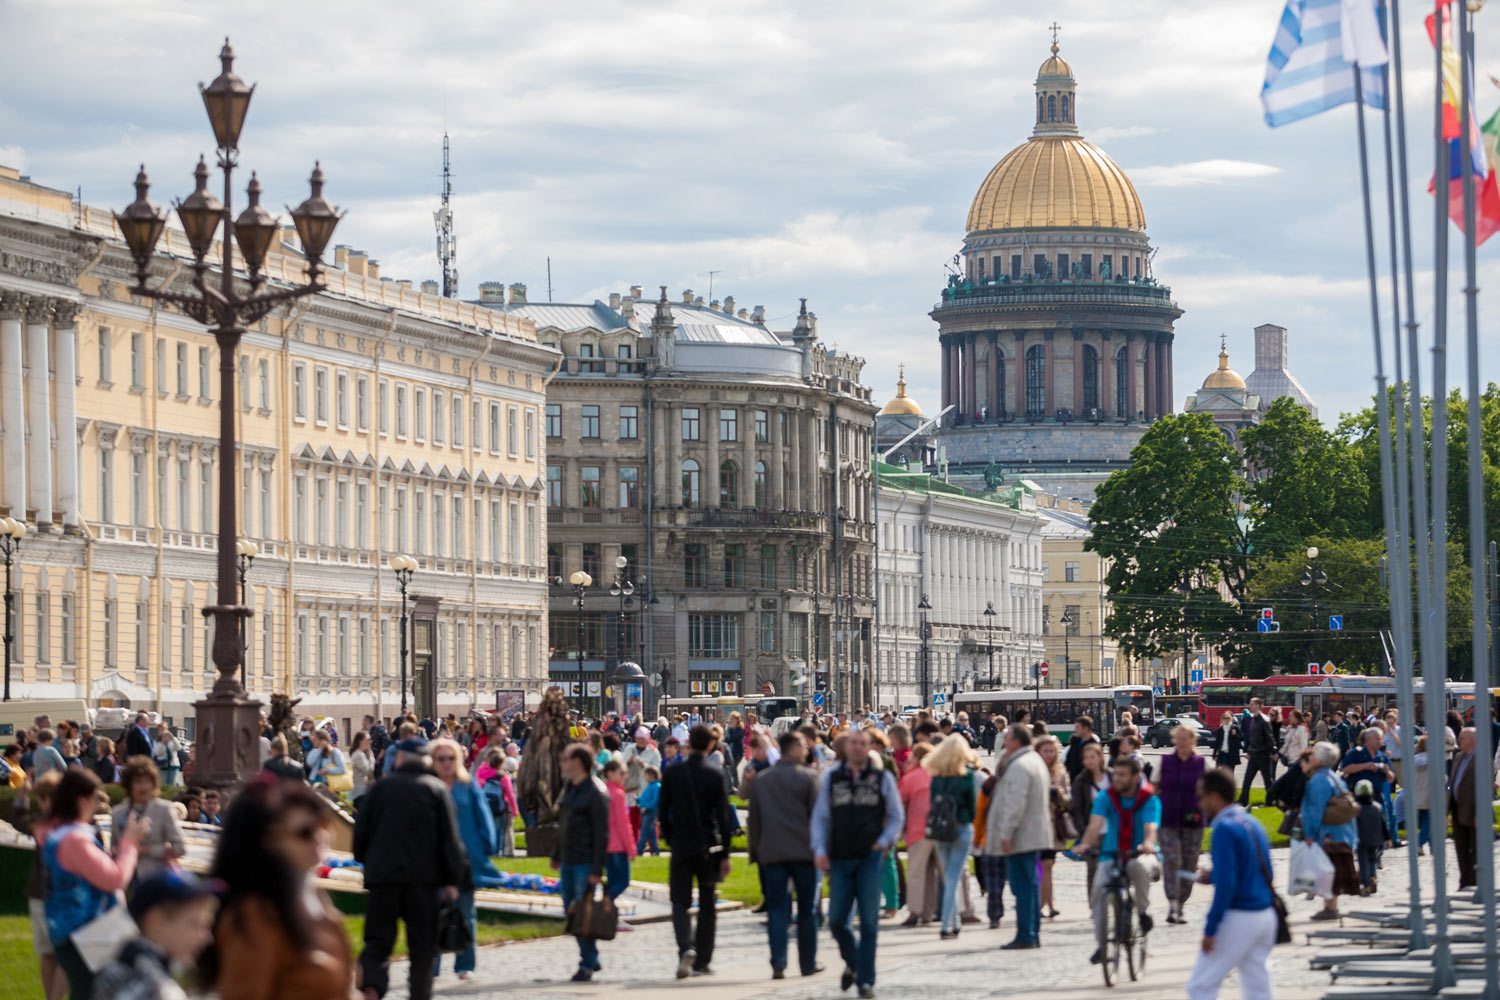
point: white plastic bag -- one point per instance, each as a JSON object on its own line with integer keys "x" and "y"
{"x": 1312, "y": 872}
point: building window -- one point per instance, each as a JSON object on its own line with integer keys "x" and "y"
{"x": 1052, "y": 107}
{"x": 184, "y": 496}
{"x": 43, "y": 627}
{"x": 760, "y": 485}
{"x": 1122, "y": 383}
{"x": 531, "y": 433}
{"x": 554, "y": 561}
{"x": 554, "y": 486}
{"x": 513, "y": 433}
{"x": 586, "y": 363}
{"x": 383, "y": 407}
{"x": 1062, "y": 267}
{"x": 401, "y": 411}
{"x": 714, "y": 637}
{"x": 629, "y": 423}
{"x": 419, "y": 521}
{"x": 182, "y": 369}
{"x": 590, "y": 422}
{"x": 593, "y": 560}
{"x": 729, "y": 492}
{"x": 494, "y": 428}
{"x": 457, "y": 421}
{"x": 142, "y": 635}
{"x": 762, "y": 427}
{"x": 768, "y": 631}
{"x": 796, "y": 637}
{"x": 632, "y": 565}
{"x": 554, "y": 420}
{"x": 137, "y": 488}
{"x": 729, "y": 425}
{"x": 1072, "y": 611}
{"x": 690, "y": 423}
{"x": 439, "y": 416}
{"x": 299, "y": 391}
{"x": 1015, "y": 267}
{"x": 205, "y": 497}
{"x": 533, "y": 538}
{"x": 768, "y": 566}
{"x": 341, "y": 399}
{"x": 439, "y": 525}
{"x": 629, "y": 486}
{"x": 137, "y": 361}
{"x": 1036, "y": 380}
{"x": 1086, "y": 264}
{"x": 362, "y": 515}
{"x": 205, "y": 386}
{"x": 513, "y": 533}
{"x": 1090, "y": 379}
{"x": 341, "y": 513}
{"x": 265, "y": 503}
{"x": 1065, "y": 116}
{"x": 734, "y": 565}
{"x": 320, "y": 396}
{"x": 1070, "y": 571}
{"x": 299, "y": 508}
{"x": 398, "y": 518}
{"x": 419, "y": 413}
{"x": 263, "y": 374}
{"x": 588, "y": 486}
{"x": 690, "y": 483}
{"x": 495, "y": 553}
{"x": 320, "y": 510}
{"x": 694, "y": 565}
{"x": 362, "y": 403}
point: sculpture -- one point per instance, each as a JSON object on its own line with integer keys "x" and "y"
{"x": 539, "y": 782}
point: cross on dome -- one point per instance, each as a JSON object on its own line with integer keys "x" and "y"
{"x": 1055, "y": 28}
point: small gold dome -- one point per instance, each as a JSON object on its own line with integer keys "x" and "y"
{"x": 1223, "y": 377}
{"x": 1055, "y": 65}
{"x": 901, "y": 404}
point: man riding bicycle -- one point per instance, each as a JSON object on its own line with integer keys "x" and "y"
{"x": 1130, "y": 804}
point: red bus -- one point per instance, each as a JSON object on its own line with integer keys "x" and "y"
{"x": 1232, "y": 694}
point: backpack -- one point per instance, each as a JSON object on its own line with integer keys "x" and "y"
{"x": 942, "y": 818}
{"x": 494, "y": 797}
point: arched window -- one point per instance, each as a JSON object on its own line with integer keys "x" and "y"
{"x": 729, "y": 486}
{"x": 760, "y": 485}
{"x": 1052, "y": 107}
{"x": 1090, "y": 379}
{"x": 1122, "y": 383}
{"x": 690, "y": 483}
{"x": 1065, "y": 103}
{"x": 1038, "y": 118}
{"x": 1036, "y": 380}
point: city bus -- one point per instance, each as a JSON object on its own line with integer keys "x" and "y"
{"x": 1218, "y": 695}
{"x": 1138, "y": 700}
{"x": 1057, "y": 707}
{"x": 1361, "y": 695}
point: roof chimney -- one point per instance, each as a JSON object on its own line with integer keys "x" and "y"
{"x": 372, "y": 269}
{"x": 403, "y": 283}
{"x": 804, "y": 323}
{"x": 742, "y": 313}
{"x": 687, "y": 296}
{"x": 341, "y": 257}
{"x": 697, "y": 300}
{"x": 614, "y": 301}
{"x": 490, "y": 291}
{"x": 635, "y": 292}
{"x": 729, "y": 304}
{"x": 714, "y": 305}
{"x": 430, "y": 287}
{"x": 356, "y": 262}
{"x": 758, "y": 315}
{"x": 517, "y": 293}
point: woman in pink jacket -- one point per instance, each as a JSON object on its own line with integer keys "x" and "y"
{"x": 621, "y": 846}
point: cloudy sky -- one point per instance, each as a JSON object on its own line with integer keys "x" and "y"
{"x": 827, "y": 150}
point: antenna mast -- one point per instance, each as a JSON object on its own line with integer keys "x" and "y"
{"x": 447, "y": 242}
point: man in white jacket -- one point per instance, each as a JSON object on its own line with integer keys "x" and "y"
{"x": 1020, "y": 825}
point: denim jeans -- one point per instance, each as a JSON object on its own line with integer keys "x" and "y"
{"x": 462, "y": 961}
{"x": 572, "y": 884}
{"x": 951, "y": 857}
{"x": 851, "y": 881}
{"x": 616, "y": 873}
{"x": 1388, "y": 805}
{"x": 804, "y": 881}
{"x": 648, "y": 833}
{"x": 1020, "y": 872}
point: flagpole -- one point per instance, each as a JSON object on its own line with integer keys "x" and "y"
{"x": 1485, "y": 888}
{"x": 1398, "y": 512}
{"x": 1435, "y": 634}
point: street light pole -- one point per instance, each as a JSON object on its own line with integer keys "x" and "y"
{"x": 1066, "y": 621}
{"x": 404, "y": 566}
{"x": 245, "y": 553}
{"x": 622, "y": 588}
{"x": 227, "y": 719}
{"x": 1313, "y": 577}
{"x": 925, "y": 606}
{"x": 11, "y": 533}
{"x": 989, "y": 640}
{"x": 581, "y": 581}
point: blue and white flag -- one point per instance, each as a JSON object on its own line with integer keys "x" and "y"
{"x": 1312, "y": 62}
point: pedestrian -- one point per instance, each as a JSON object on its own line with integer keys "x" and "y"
{"x": 1420, "y": 787}
{"x": 104, "y": 764}
{"x": 1083, "y": 735}
{"x": 1063, "y": 832}
{"x": 639, "y": 754}
{"x": 1294, "y": 738}
{"x": 138, "y": 737}
{"x": 80, "y": 881}
{"x": 582, "y": 842}
{"x": 1369, "y": 761}
{"x": 1319, "y": 733}
{"x": 1373, "y": 834}
{"x": 175, "y": 914}
{"x": 34, "y": 824}
{"x": 649, "y": 803}
{"x": 781, "y": 805}
{"x": 361, "y": 766}
{"x": 166, "y": 754}
{"x": 698, "y": 824}
{"x": 1260, "y": 747}
{"x": 621, "y": 847}
{"x": 476, "y": 827}
{"x": 326, "y": 764}
{"x": 1019, "y": 827}
{"x": 1093, "y": 779}
{"x": 856, "y": 819}
{"x": 1241, "y": 926}
{"x": 1125, "y": 820}
{"x": 915, "y": 790}
{"x": 1227, "y": 742}
{"x": 1337, "y": 839}
{"x": 163, "y": 843}
{"x": 407, "y": 837}
{"x": 212, "y": 804}
{"x": 950, "y": 820}
{"x": 1339, "y": 733}
{"x": 1181, "y": 820}
{"x": 46, "y": 757}
{"x": 1464, "y": 809}
{"x": 499, "y": 796}
{"x": 1287, "y": 793}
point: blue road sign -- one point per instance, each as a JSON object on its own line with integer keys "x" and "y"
{"x": 1195, "y": 677}
{"x": 1335, "y": 623}
{"x": 1263, "y": 624}
{"x": 939, "y": 698}
{"x": 818, "y": 698}
{"x": 1158, "y": 691}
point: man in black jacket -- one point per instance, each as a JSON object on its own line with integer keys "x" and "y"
{"x": 137, "y": 738}
{"x": 1260, "y": 750}
{"x": 582, "y": 837}
{"x": 406, "y": 836}
{"x": 1083, "y": 734}
{"x": 698, "y": 822}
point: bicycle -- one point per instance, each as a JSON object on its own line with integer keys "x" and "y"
{"x": 1120, "y": 936}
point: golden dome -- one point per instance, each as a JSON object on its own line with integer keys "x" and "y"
{"x": 1055, "y": 65}
{"x": 901, "y": 404}
{"x": 1223, "y": 377}
{"x": 1052, "y": 181}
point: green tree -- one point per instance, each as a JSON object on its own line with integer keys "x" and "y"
{"x": 1170, "y": 529}
{"x": 1303, "y": 480}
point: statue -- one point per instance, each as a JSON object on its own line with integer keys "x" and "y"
{"x": 1104, "y": 269}
{"x": 282, "y": 719}
{"x": 992, "y": 475}
{"x": 1043, "y": 269}
{"x": 1077, "y": 269}
{"x": 539, "y": 782}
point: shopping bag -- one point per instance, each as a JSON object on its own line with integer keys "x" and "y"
{"x": 100, "y": 940}
{"x": 1312, "y": 872}
{"x": 454, "y": 934}
{"x": 593, "y": 915}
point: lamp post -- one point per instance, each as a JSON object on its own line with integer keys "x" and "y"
{"x": 580, "y": 582}
{"x": 245, "y": 553}
{"x": 404, "y": 567}
{"x": 11, "y": 533}
{"x": 925, "y": 606}
{"x": 227, "y": 719}
{"x": 1066, "y": 621}
{"x": 1316, "y": 580}
{"x": 622, "y": 588}
{"x": 989, "y": 639}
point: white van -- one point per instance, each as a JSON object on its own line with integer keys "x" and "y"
{"x": 17, "y": 716}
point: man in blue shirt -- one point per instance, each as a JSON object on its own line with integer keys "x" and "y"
{"x": 1241, "y": 926}
{"x": 1130, "y": 796}
{"x": 1369, "y": 762}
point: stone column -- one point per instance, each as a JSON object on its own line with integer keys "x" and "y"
{"x": 1148, "y": 379}
{"x": 710, "y": 432}
{"x": 1049, "y": 404}
{"x": 66, "y": 339}
{"x": 947, "y": 368}
{"x": 794, "y": 463}
{"x": 814, "y": 492}
{"x": 672, "y": 418}
{"x": 13, "y": 401}
{"x": 1131, "y": 406}
{"x": 1018, "y": 375}
{"x": 777, "y": 485}
{"x": 997, "y": 392}
{"x": 1163, "y": 379}
{"x": 1166, "y": 363}
{"x": 39, "y": 410}
{"x": 1106, "y": 376}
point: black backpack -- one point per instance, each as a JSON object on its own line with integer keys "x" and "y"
{"x": 942, "y": 818}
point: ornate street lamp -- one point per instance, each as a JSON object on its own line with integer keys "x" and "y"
{"x": 1066, "y": 621}
{"x": 580, "y": 582}
{"x": 11, "y": 533}
{"x": 404, "y": 567}
{"x": 925, "y": 606}
{"x": 245, "y": 553}
{"x": 989, "y": 639}
{"x": 227, "y": 719}
{"x": 622, "y": 588}
{"x": 1316, "y": 581}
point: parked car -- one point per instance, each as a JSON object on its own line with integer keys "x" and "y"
{"x": 1159, "y": 734}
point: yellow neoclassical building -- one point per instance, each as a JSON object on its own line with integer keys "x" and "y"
{"x": 374, "y": 419}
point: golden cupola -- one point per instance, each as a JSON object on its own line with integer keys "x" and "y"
{"x": 1223, "y": 377}
{"x": 1056, "y": 179}
{"x": 901, "y": 404}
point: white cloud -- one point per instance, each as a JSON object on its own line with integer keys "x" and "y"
{"x": 1109, "y": 133}
{"x": 1200, "y": 172}
{"x": 13, "y": 156}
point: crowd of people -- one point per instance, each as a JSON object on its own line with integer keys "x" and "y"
{"x": 875, "y": 813}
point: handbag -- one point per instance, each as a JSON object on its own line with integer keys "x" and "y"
{"x": 541, "y": 839}
{"x": 453, "y": 932}
{"x": 100, "y": 940}
{"x": 340, "y": 782}
{"x": 593, "y": 915}
{"x": 1283, "y": 930}
{"x": 1341, "y": 809}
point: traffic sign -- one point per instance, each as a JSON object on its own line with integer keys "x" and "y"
{"x": 1196, "y": 687}
{"x": 1313, "y": 668}
{"x": 818, "y": 698}
{"x": 1335, "y": 623}
{"x": 1195, "y": 677}
{"x": 1159, "y": 691}
{"x": 1043, "y": 669}
{"x": 1329, "y": 668}
{"x": 1268, "y": 612}
{"x": 938, "y": 699}
{"x": 1267, "y": 625}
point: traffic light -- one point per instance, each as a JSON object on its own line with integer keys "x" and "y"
{"x": 820, "y": 680}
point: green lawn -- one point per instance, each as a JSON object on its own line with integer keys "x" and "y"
{"x": 494, "y": 928}
{"x": 19, "y": 975}
{"x": 743, "y": 884}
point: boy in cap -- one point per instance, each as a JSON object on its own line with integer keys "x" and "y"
{"x": 1373, "y": 835}
{"x": 175, "y": 913}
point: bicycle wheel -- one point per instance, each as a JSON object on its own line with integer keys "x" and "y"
{"x": 1136, "y": 952}
{"x": 1113, "y": 914}
{"x": 1124, "y": 917}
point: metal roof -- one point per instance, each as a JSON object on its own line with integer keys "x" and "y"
{"x": 696, "y": 324}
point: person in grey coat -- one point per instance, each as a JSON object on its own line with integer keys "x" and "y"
{"x": 781, "y": 803}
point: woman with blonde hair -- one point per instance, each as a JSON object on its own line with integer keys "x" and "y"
{"x": 476, "y": 826}
{"x": 950, "y": 819}
{"x": 1060, "y": 799}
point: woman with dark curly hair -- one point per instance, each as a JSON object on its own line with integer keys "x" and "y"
{"x": 164, "y": 844}
{"x": 277, "y": 935}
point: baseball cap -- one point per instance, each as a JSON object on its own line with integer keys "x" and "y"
{"x": 171, "y": 886}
